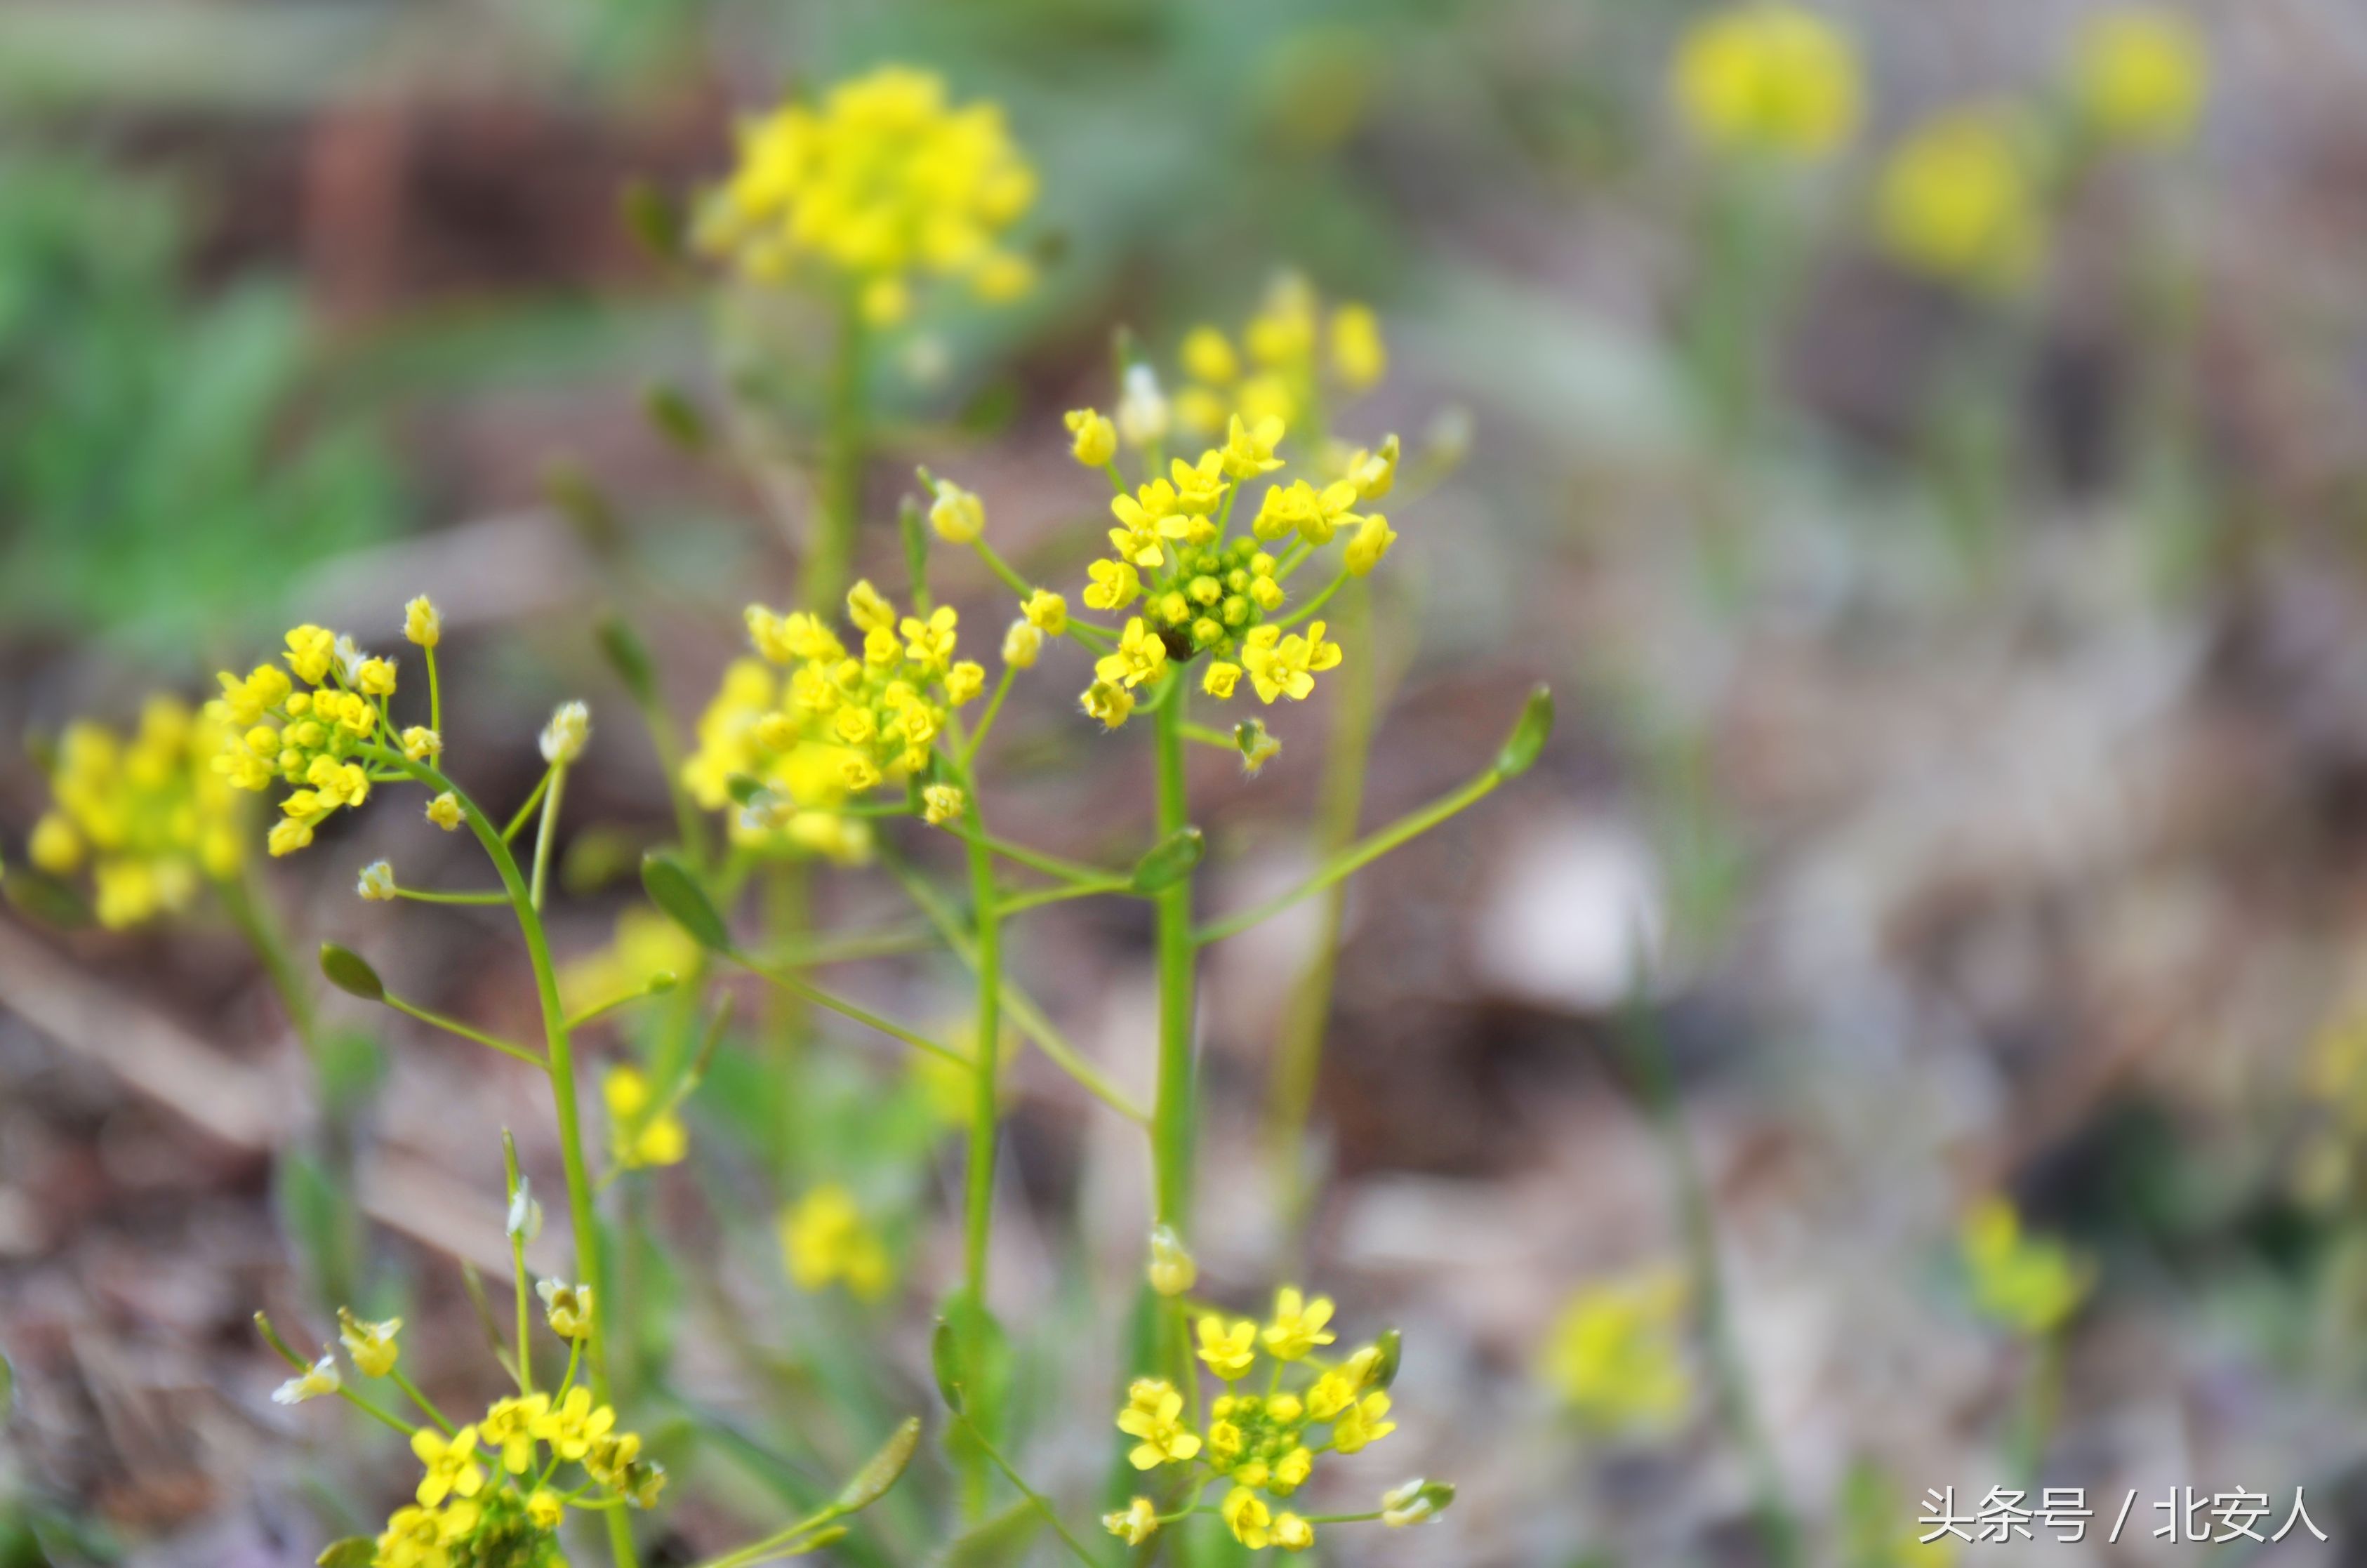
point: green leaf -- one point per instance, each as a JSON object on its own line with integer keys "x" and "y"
{"x": 354, "y": 1551}
{"x": 629, "y": 658}
{"x": 350, "y": 973}
{"x": 945, "y": 1362}
{"x": 673, "y": 889}
{"x": 1170, "y": 860}
{"x": 676, "y": 416}
{"x": 1529, "y": 735}
{"x": 994, "y": 1543}
{"x": 1391, "y": 1346}
{"x": 881, "y": 1471}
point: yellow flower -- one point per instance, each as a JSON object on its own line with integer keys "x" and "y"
{"x": 374, "y": 677}
{"x": 1114, "y": 585}
{"x": 642, "y": 1134}
{"x": 152, "y": 814}
{"x": 1140, "y": 656}
{"x": 452, "y": 1468}
{"x": 1248, "y": 1518}
{"x": 571, "y": 1426}
{"x": 422, "y": 744}
{"x": 883, "y": 182}
{"x": 1135, "y": 1524}
{"x": 958, "y": 516}
{"x": 941, "y": 803}
{"x": 1358, "y": 355}
{"x": 1219, "y": 678}
{"x": 371, "y": 1344}
{"x": 377, "y": 883}
{"x": 964, "y": 679}
{"x": 1315, "y": 515}
{"x": 1282, "y": 666}
{"x": 567, "y": 1308}
{"x": 1764, "y": 76}
{"x": 1338, "y": 1387}
{"x": 1373, "y": 472}
{"x": 1374, "y": 537}
{"x": 1112, "y": 705}
{"x": 1362, "y": 1424}
{"x": 1958, "y": 199}
{"x": 420, "y": 622}
{"x": 2029, "y": 1284}
{"x": 1249, "y": 449}
{"x": 314, "y": 1380}
{"x": 1047, "y": 611}
{"x": 445, "y": 811}
{"x": 1292, "y": 1533}
{"x": 544, "y": 1509}
{"x": 1021, "y": 644}
{"x": 423, "y": 1538}
{"x": 1230, "y": 1352}
{"x": 1616, "y": 1354}
{"x": 1096, "y": 440}
{"x": 1153, "y": 1415}
{"x": 2139, "y": 76}
{"x": 1298, "y": 1324}
{"x": 1172, "y": 1270}
{"x": 1206, "y": 357}
{"x": 508, "y": 1430}
{"x": 826, "y": 1239}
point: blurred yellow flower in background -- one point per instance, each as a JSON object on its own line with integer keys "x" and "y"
{"x": 2030, "y": 1284}
{"x": 646, "y": 944}
{"x": 2139, "y": 76}
{"x": 885, "y": 181}
{"x": 641, "y": 1132}
{"x": 1616, "y": 1354}
{"x": 1291, "y": 354}
{"x": 825, "y": 1239}
{"x": 148, "y": 813}
{"x": 1959, "y": 200}
{"x": 1768, "y": 77}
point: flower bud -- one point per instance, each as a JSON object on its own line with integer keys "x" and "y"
{"x": 1171, "y": 1271}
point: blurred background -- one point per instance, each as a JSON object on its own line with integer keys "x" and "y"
{"x": 1941, "y": 528}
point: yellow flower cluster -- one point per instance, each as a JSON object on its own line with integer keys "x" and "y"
{"x": 313, "y": 726}
{"x": 2138, "y": 77}
{"x": 2334, "y": 1076}
{"x": 839, "y": 723}
{"x": 643, "y": 1130}
{"x": 1960, "y": 198}
{"x": 825, "y": 1239}
{"x": 1290, "y": 354}
{"x": 1616, "y": 1354}
{"x": 2029, "y": 1284}
{"x": 883, "y": 182}
{"x": 1261, "y": 1446}
{"x": 1765, "y": 76}
{"x": 490, "y": 1493}
{"x": 1203, "y": 592}
{"x": 146, "y": 812}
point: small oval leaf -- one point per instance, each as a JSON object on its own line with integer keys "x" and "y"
{"x": 1391, "y": 1347}
{"x": 672, "y": 889}
{"x": 676, "y": 416}
{"x": 1170, "y": 860}
{"x": 622, "y": 647}
{"x": 881, "y": 1471}
{"x": 650, "y": 220}
{"x": 351, "y": 973}
{"x": 1529, "y": 735}
{"x": 945, "y": 1362}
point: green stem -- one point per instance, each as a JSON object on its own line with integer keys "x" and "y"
{"x": 1355, "y": 858}
{"x": 1649, "y": 1061}
{"x": 1021, "y": 902}
{"x": 993, "y": 710}
{"x": 511, "y": 1181}
{"x": 985, "y": 1057}
{"x": 426, "y": 1406}
{"x": 547, "y": 830}
{"x": 2042, "y": 1391}
{"x": 1069, "y": 871}
{"x": 465, "y": 1032}
{"x": 526, "y": 809}
{"x": 1043, "y": 1505}
{"x": 1172, "y": 1113}
{"x": 562, "y": 1065}
{"x": 845, "y": 1008}
{"x": 832, "y": 560}
{"x": 423, "y": 896}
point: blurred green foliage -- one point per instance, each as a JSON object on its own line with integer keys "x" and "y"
{"x": 158, "y": 481}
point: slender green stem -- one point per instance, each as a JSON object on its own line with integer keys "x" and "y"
{"x": 1657, "y": 1085}
{"x": 562, "y": 1065}
{"x": 1069, "y": 871}
{"x": 525, "y": 809}
{"x": 1043, "y": 1505}
{"x": 2042, "y": 1391}
{"x": 1172, "y": 1113}
{"x": 604, "y": 1009}
{"x": 840, "y": 1005}
{"x": 1320, "y": 599}
{"x": 511, "y": 1182}
{"x": 427, "y": 896}
{"x": 547, "y": 831}
{"x": 1201, "y": 735}
{"x": 833, "y": 557}
{"x": 1298, "y": 1053}
{"x": 435, "y": 692}
{"x": 1021, "y": 902}
{"x": 850, "y": 948}
{"x": 985, "y": 1057}
{"x": 1355, "y": 858}
{"x": 465, "y": 1032}
{"x": 993, "y": 710}
{"x": 1029, "y": 1018}
{"x": 252, "y": 915}
{"x": 426, "y": 1406}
